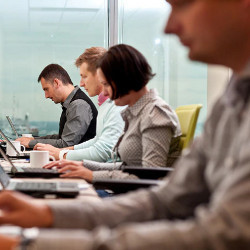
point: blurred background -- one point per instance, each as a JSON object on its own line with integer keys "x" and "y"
{"x": 35, "y": 33}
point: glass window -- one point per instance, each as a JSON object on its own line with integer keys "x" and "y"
{"x": 38, "y": 32}
{"x": 178, "y": 81}
{"x": 34, "y": 34}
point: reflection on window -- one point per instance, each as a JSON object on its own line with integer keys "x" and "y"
{"x": 178, "y": 81}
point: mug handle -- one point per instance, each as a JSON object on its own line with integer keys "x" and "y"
{"x": 52, "y": 158}
{"x": 22, "y": 148}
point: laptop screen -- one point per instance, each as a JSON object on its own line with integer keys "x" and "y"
{"x": 9, "y": 142}
{"x": 12, "y": 125}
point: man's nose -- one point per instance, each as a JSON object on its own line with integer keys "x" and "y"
{"x": 172, "y": 25}
{"x": 82, "y": 83}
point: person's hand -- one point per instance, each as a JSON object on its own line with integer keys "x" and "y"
{"x": 47, "y": 147}
{"x": 25, "y": 141}
{"x": 72, "y": 169}
{"x": 9, "y": 242}
{"x": 22, "y": 210}
{"x": 63, "y": 163}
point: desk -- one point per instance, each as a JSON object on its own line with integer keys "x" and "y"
{"x": 87, "y": 193}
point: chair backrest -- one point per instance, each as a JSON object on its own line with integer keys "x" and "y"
{"x": 188, "y": 116}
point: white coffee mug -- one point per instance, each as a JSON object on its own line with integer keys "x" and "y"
{"x": 27, "y": 135}
{"x": 40, "y": 158}
{"x": 17, "y": 144}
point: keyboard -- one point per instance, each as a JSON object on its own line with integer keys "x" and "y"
{"x": 35, "y": 186}
{"x": 68, "y": 185}
{"x": 39, "y": 170}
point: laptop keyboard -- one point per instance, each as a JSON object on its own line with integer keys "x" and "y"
{"x": 68, "y": 185}
{"x": 35, "y": 186}
{"x": 39, "y": 170}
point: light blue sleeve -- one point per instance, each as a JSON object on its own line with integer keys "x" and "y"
{"x": 86, "y": 144}
{"x": 101, "y": 150}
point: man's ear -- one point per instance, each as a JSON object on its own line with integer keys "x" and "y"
{"x": 57, "y": 82}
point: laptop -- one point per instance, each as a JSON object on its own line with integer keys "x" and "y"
{"x": 20, "y": 155}
{"x": 28, "y": 171}
{"x": 39, "y": 189}
{"x": 12, "y": 126}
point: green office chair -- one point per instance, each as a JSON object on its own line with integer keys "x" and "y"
{"x": 188, "y": 116}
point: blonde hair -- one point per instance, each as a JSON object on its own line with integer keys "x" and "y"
{"x": 91, "y": 57}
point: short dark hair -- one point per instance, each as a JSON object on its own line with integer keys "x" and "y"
{"x": 53, "y": 71}
{"x": 91, "y": 57}
{"x": 125, "y": 69}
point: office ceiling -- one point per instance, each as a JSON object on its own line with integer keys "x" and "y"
{"x": 47, "y": 19}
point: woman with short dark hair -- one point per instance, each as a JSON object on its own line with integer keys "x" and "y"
{"x": 125, "y": 69}
{"x": 152, "y": 130}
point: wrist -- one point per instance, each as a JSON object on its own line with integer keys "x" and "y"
{"x": 89, "y": 176}
{"x": 48, "y": 216}
{"x": 63, "y": 153}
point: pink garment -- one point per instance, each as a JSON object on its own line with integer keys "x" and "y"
{"x": 102, "y": 99}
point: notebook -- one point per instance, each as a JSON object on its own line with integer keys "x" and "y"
{"x": 12, "y": 126}
{"x": 23, "y": 155}
{"x": 28, "y": 171}
{"x": 39, "y": 189}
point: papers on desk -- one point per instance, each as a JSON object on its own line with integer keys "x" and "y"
{"x": 20, "y": 160}
{"x": 18, "y": 163}
{"x": 83, "y": 186}
{"x": 10, "y": 230}
{"x": 18, "y": 231}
